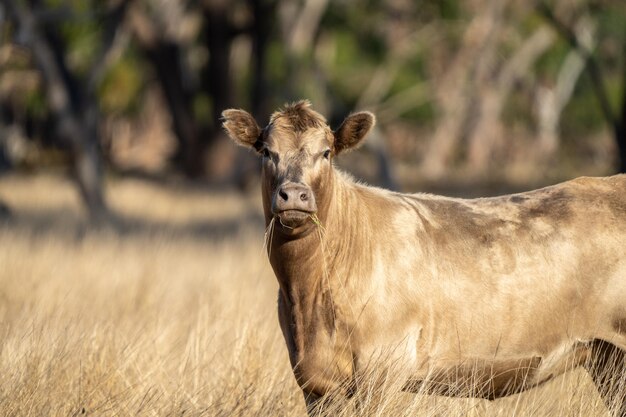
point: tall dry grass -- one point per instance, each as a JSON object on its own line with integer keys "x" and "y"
{"x": 170, "y": 312}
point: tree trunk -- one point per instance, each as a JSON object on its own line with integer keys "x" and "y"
{"x": 457, "y": 93}
{"x": 217, "y": 80}
{"x": 263, "y": 12}
{"x": 617, "y": 120}
{"x": 620, "y": 125}
{"x": 67, "y": 100}
{"x": 165, "y": 57}
{"x": 487, "y": 134}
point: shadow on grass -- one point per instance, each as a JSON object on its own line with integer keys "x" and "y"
{"x": 69, "y": 224}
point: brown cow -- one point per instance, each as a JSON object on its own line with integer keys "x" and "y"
{"x": 504, "y": 292}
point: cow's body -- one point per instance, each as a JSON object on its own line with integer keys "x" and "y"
{"x": 483, "y": 297}
{"x": 496, "y": 286}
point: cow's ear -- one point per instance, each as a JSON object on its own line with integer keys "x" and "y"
{"x": 353, "y": 129}
{"x": 241, "y": 127}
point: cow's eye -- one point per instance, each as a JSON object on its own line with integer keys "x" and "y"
{"x": 327, "y": 154}
{"x": 266, "y": 153}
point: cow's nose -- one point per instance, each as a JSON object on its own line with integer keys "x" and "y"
{"x": 294, "y": 196}
{"x": 294, "y": 192}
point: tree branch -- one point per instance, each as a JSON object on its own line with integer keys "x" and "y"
{"x": 66, "y": 104}
{"x": 591, "y": 64}
{"x": 112, "y": 21}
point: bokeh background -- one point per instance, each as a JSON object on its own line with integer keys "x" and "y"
{"x": 503, "y": 92}
{"x": 133, "y": 279}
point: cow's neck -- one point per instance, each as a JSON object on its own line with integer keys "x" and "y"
{"x": 312, "y": 268}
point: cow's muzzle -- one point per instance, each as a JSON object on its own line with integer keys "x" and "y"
{"x": 293, "y": 204}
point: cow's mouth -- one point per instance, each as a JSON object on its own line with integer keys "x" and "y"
{"x": 293, "y": 218}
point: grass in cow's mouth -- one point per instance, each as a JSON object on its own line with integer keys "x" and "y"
{"x": 283, "y": 224}
{"x": 268, "y": 236}
{"x": 317, "y": 222}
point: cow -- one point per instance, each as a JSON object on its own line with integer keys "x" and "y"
{"x": 503, "y": 293}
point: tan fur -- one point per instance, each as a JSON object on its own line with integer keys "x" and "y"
{"x": 505, "y": 292}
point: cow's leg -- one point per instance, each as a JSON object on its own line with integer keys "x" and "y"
{"x": 314, "y": 404}
{"x": 607, "y": 367}
{"x": 321, "y": 405}
{"x": 330, "y": 399}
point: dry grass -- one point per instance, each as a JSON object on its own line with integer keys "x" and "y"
{"x": 172, "y": 312}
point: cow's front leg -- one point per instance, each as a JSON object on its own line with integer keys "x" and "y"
{"x": 321, "y": 370}
{"x": 317, "y": 404}
{"x": 332, "y": 402}
{"x": 324, "y": 393}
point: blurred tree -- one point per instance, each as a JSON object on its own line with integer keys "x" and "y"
{"x": 71, "y": 97}
{"x": 165, "y": 55}
{"x": 468, "y": 86}
{"x": 616, "y": 118}
{"x": 213, "y": 82}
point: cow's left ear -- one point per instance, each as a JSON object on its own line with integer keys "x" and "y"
{"x": 353, "y": 129}
{"x": 241, "y": 127}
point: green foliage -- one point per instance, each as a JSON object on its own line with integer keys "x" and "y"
{"x": 412, "y": 73}
{"x": 81, "y": 33}
{"x": 518, "y": 110}
{"x": 277, "y": 64}
{"x": 583, "y": 116}
{"x": 352, "y": 67}
{"x": 611, "y": 20}
{"x": 548, "y": 65}
{"x": 36, "y": 104}
{"x": 202, "y": 107}
{"x": 444, "y": 9}
{"x": 120, "y": 89}
{"x": 354, "y": 41}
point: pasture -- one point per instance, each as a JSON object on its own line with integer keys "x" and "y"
{"x": 171, "y": 311}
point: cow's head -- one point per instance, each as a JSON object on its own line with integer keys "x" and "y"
{"x": 297, "y": 147}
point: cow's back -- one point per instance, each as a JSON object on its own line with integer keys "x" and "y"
{"x": 545, "y": 260}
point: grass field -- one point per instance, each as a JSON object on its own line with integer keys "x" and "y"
{"x": 171, "y": 312}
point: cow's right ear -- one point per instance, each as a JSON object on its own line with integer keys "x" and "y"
{"x": 241, "y": 127}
